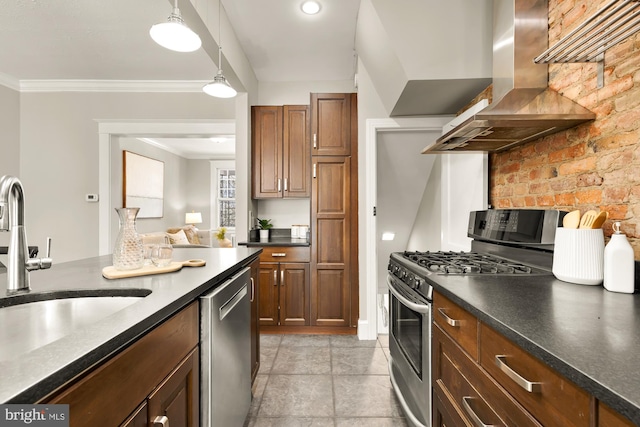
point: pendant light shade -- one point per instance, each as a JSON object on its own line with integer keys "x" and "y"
{"x": 219, "y": 87}
{"x": 175, "y": 34}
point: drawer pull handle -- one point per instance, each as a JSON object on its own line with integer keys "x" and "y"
{"x": 161, "y": 421}
{"x": 474, "y": 417}
{"x": 531, "y": 387}
{"x": 278, "y": 254}
{"x": 449, "y": 320}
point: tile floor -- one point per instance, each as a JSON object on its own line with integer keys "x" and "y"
{"x": 323, "y": 380}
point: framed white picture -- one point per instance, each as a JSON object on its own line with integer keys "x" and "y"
{"x": 143, "y": 184}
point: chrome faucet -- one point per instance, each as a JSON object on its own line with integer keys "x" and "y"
{"x": 12, "y": 219}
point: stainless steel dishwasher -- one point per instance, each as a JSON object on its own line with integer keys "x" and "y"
{"x": 225, "y": 350}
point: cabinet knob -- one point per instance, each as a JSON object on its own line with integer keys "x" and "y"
{"x": 161, "y": 421}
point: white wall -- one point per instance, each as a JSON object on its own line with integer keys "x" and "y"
{"x": 175, "y": 185}
{"x": 59, "y": 156}
{"x": 9, "y": 139}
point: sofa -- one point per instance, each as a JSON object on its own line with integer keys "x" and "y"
{"x": 187, "y": 236}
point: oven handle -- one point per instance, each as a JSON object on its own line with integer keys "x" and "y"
{"x": 418, "y": 308}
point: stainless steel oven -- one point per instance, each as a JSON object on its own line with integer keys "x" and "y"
{"x": 409, "y": 344}
{"x": 505, "y": 242}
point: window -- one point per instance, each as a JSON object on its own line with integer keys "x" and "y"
{"x": 223, "y": 192}
{"x": 226, "y": 206}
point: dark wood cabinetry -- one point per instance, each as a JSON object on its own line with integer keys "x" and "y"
{"x": 157, "y": 376}
{"x": 334, "y": 204}
{"x": 284, "y": 287}
{"x": 280, "y": 151}
{"x": 481, "y": 377}
{"x": 331, "y": 124}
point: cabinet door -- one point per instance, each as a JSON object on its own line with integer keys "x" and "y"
{"x": 331, "y": 255}
{"x": 268, "y": 294}
{"x": 267, "y": 156}
{"x": 139, "y": 418}
{"x": 297, "y": 152}
{"x": 178, "y": 397}
{"x": 255, "y": 319}
{"x": 294, "y": 294}
{"x": 331, "y": 124}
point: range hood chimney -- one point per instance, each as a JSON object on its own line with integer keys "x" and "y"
{"x": 523, "y": 108}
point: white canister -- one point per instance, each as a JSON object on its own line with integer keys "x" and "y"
{"x": 619, "y": 264}
{"x": 578, "y": 255}
{"x": 295, "y": 231}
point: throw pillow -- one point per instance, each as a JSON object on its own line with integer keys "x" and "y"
{"x": 179, "y": 238}
{"x": 192, "y": 234}
{"x": 190, "y": 231}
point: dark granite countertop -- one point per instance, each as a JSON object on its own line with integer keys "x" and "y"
{"x": 586, "y": 333}
{"x": 30, "y": 377}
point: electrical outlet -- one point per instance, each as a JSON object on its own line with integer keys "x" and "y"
{"x": 92, "y": 198}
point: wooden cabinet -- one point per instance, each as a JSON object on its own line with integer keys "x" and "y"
{"x": 255, "y": 319}
{"x": 284, "y": 286}
{"x": 157, "y": 376}
{"x": 280, "y": 151}
{"x": 331, "y": 237}
{"x": 481, "y": 377}
{"x": 607, "y": 417}
{"x": 331, "y": 124}
{"x": 334, "y": 216}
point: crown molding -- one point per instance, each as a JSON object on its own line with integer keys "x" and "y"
{"x": 109, "y": 85}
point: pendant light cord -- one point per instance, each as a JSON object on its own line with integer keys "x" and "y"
{"x": 219, "y": 36}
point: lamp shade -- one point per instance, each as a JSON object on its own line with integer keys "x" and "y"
{"x": 193, "y": 218}
{"x": 219, "y": 87}
{"x": 175, "y": 35}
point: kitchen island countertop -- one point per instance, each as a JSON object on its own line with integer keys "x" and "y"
{"x": 589, "y": 335}
{"x": 34, "y": 375}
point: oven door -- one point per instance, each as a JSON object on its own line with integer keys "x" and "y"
{"x": 410, "y": 351}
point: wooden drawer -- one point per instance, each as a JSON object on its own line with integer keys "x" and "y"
{"x": 457, "y": 322}
{"x": 607, "y": 417}
{"x": 552, "y": 399}
{"x": 463, "y": 378}
{"x": 445, "y": 413}
{"x": 285, "y": 254}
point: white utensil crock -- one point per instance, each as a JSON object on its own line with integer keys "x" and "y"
{"x": 578, "y": 255}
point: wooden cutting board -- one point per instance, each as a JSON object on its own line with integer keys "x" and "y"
{"x": 110, "y": 272}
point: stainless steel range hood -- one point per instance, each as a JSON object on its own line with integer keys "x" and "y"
{"x": 523, "y": 108}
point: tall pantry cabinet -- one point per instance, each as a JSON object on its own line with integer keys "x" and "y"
{"x": 334, "y": 205}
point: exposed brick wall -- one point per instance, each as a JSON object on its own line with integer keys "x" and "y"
{"x": 593, "y": 166}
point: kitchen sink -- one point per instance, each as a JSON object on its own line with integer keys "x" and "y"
{"x": 30, "y": 321}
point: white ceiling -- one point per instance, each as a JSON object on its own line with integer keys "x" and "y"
{"x": 109, "y": 40}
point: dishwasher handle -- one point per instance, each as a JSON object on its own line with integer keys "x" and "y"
{"x": 228, "y": 306}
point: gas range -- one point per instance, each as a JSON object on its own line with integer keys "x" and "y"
{"x": 506, "y": 242}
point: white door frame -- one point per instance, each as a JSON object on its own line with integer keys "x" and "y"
{"x": 110, "y": 130}
{"x": 367, "y": 325}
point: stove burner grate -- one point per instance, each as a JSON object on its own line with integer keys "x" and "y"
{"x": 465, "y": 263}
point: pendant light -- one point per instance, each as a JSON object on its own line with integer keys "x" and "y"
{"x": 219, "y": 87}
{"x": 175, "y": 34}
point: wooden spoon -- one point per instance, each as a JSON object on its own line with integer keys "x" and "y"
{"x": 600, "y": 219}
{"x": 587, "y": 219}
{"x": 571, "y": 220}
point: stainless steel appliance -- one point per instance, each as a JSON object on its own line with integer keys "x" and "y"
{"x": 225, "y": 351}
{"x": 524, "y": 108}
{"x": 506, "y": 242}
